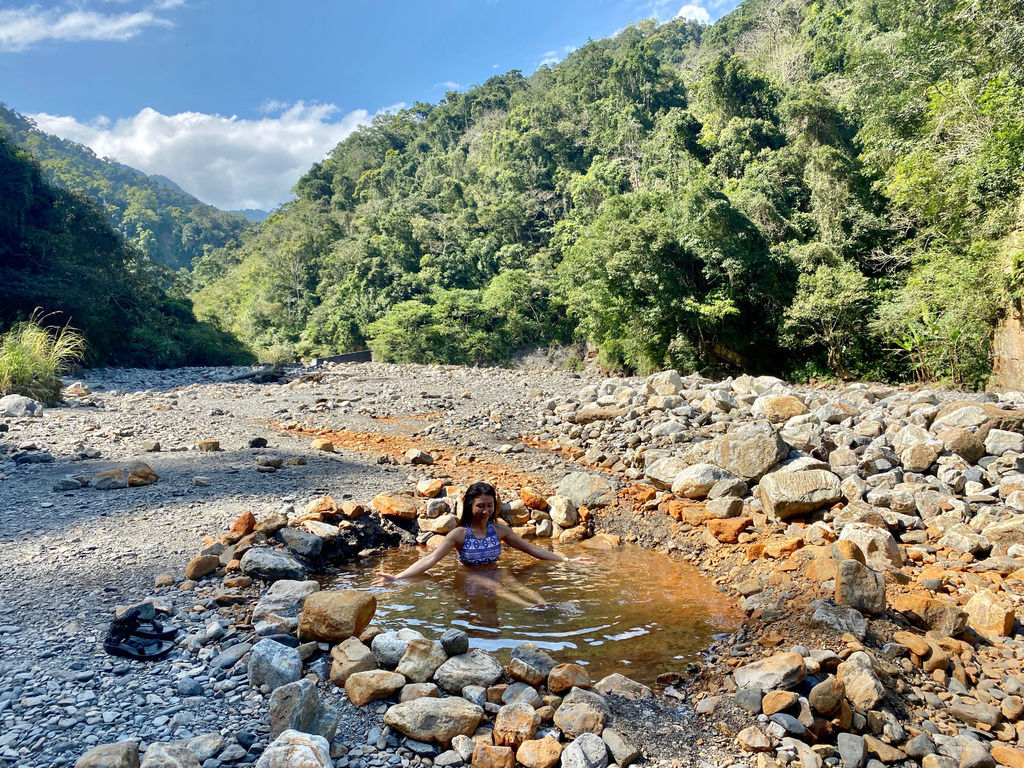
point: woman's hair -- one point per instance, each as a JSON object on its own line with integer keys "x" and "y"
{"x": 472, "y": 493}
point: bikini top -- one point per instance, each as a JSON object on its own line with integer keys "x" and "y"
{"x": 483, "y": 551}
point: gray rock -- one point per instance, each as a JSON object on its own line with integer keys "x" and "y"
{"x": 623, "y": 752}
{"x": 389, "y": 647}
{"x": 860, "y": 587}
{"x": 826, "y": 613}
{"x": 20, "y": 407}
{"x": 273, "y": 664}
{"x": 303, "y": 543}
{"x": 207, "y": 745}
{"x": 167, "y": 755}
{"x": 748, "y": 451}
{"x": 697, "y": 481}
{"x": 788, "y": 494}
{"x": 293, "y": 749}
{"x": 454, "y": 641}
{"x": 588, "y": 490}
{"x": 853, "y": 750}
{"x": 587, "y": 750}
{"x": 271, "y": 565}
{"x": 278, "y": 610}
{"x": 976, "y": 755}
{"x": 474, "y": 668}
{"x": 534, "y": 656}
{"x": 879, "y": 546}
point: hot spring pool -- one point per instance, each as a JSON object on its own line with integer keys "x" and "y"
{"x": 632, "y": 611}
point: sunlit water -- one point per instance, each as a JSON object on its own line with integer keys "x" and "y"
{"x": 631, "y": 611}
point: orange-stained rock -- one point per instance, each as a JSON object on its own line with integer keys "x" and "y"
{"x": 487, "y": 756}
{"x": 564, "y": 677}
{"x": 402, "y": 507}
{"x": 728, "y": 531}
{"x": 208, "y": 446}
{"x": 430, "y": 487}
{"x": 777, "y": 701}
{"x": 514, "y": 724}
{"x": 844, "y": 549}
{"x": 989, "y": 616}
{"x": 201, "y": 565}
{"x": 364, "y": 687}
{"x": 779, "y": 548}
{"x": 140, "y": 474}
{"x": 540, "y": 753}
{"x": 244, "y": 524}
{"x": 332, "y": 615}
{"x": 533, "y": 498}
{"x": 1009, "y": 756}
{"x": 322, "y": 444}
{"x": 351, "y": 510}
{"x": 318, "y": 509}
{"x": 821, "y": 569}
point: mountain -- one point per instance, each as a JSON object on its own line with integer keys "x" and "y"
{"x": 828, "y": 188}
{"x": 256, "y": 215}
{"x": 153, "y": 212}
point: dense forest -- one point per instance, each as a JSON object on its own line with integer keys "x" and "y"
{"x": 59, "y": 253}
{"x": 808, "y": 188}
{"x": 169, "y": 224}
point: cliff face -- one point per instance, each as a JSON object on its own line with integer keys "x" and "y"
{"x": 1008, "y": 353}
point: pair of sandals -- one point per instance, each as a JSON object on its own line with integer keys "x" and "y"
{"x": 137, "y": 638}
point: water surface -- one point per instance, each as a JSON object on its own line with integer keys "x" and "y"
{"x": 631, "y": 611}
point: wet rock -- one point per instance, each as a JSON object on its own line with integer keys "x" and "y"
{"x": 474, "y": 668}
{"x": 278, "y": 610}
{"x": 333, "y": 615}
{"x": 588, "y": 490}
{"x": 273, "y": 664}
{"x": 293, "y": 749}
{"x": 454, "y": 641}
{"x": 788, "y": 494}
{"x": 271, "y": 565}
{"x": 783, "y": 670}
{"x": 123, "y": 754}
{"x": 434, "y": 720}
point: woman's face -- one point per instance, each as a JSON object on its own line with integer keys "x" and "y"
{"x": 483, "y": 507}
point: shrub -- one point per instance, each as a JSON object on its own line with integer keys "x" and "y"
{"x": 32, "y": 358}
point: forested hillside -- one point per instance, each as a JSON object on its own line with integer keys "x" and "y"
{"x": 59, "y": 253}
{"x": 804, "y": 188}
{"x": 152, "y": 212}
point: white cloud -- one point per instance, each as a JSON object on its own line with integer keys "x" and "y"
{"x": 227, "y": 161}
{"x": 694, "y": 13}
{"x": 21, "y": 28}
{"x": 449, "y": 85}
{"x": 548, "y": 59}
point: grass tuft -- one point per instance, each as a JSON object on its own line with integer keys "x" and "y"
{"x": 33, "y": 357}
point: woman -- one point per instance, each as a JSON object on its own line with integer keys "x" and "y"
{"x": 477, "y": 540}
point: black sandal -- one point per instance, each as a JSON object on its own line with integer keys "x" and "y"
{"x": 120, "y": 643}
{"x": 144, "y": 629}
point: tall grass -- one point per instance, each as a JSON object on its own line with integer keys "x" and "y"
{"x": 32, "y": 358}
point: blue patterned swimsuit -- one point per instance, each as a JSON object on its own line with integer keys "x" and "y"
{"x": 483, "y": 551}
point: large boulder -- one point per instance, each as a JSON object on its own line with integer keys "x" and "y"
{"x": 20, "y": 407}
{"x": 787, "y": 494}
{"x": 278, "y": 610}
{"x": 293, "y": 749}
{"x": 273, "y": 664}
{"x": 695, "y": 482}
{"x": 434, "y": 720}
{"x": 748, "y": 451}
{"x": 474, "y": 668}
{"x": 271, "y": 565}
{"x": 586, "y": 489}
{"x": 330, "y": 616}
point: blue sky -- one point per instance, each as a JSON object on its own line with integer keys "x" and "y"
{"x": 235, "y": 100}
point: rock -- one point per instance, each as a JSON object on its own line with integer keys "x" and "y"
{"x": 748, "y": 451}
{"x": 539, "y": 753}
{"x": 563, "y": 677}
{"x": 373, "y": 685}
{"x": 525, "y": 672}
{"x": 663, "y": 472}
{"x": 974, "y": 714}
{"x": 201, "y": 565}
{"x": 296, "y": 706}
{"x": 434, "y": 720}
{"x": 778, "y": 409}
{"x": 989, "y": 616}
{"x": 390, "y": 647}
{"x": 1003, "y": 754}
{"x": 853, "y": 751}
{"x": 206, "y": 745}
{"x": 880, "y": 549}
{"x": 418, "y": 690}
{"x": 491, "y": 756}
{"x": 695, "y": 482}
{"x": 975, "y": 754}
{"x": 585, "y": 751}
{"x": 620, "y": 685}
{"x": 302, "y": 543}
{"x": 208, "y": 446}
{"x": 581, "y": 712}
{"x": 753, "y": 739}
{"x": 141, "y": 474}
{"x": 273, "y": 664}
{"x": 454, "y": 641}
{"x": 826, "y": 613}
{"x": 162, "y": 754}
{"x": 398, "y": 507}
{"x": 783, "y": 670}
{"x": 418, "y": 457}
{"x": 321, "y": 444}
{"x": 123, "y": 754}
{"x": 826, "y": 697}
{"x": 244, "y": 524}
{"x": 863, "y": 688}
{"x": 332, "y": 615}
{"x": 514, "y": 724}
{"x": 278, "y": 610}
{"x": 623, "y": 752}
{"x": 20, "y": 407}
{"x": 296, "y": 750}
{"x": 788, "y": 494}
{"x": 474, "y": 668}
{"x": 271, "y": 565}
{"x": 963, "y": 443}
{"x": 563, "y": 512}
{"x": 585, "y": 489}
{"x": 999, "y": 442}
{"x": 778, "y": 701}
{"x": 110, "y": 480}
{"x": 348, "y": 657}
{"x": 860, "y": 587}
{"x": 421, "y": 659}
{"x": 728, "y": 531}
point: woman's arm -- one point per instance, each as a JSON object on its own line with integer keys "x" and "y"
{"x": 518, "y": 542}
{"x": 425, "y": 563}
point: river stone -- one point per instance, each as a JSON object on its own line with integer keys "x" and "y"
{"x": 860, "y": 587}
{"x": 620, "y": 685}
{"x": 207, "y": 745}
{"x": 278, "y": 610}
{"x": 123, "y": 754}
{"x": 534, "y": 656}
{"x": 302, "y": 543}
{"x": 520, "y": 692}
{"x": 989, "y": 616}
{"x": 778, "y": 409}
{"x": 421, "y": 659}
{"x": 667, "y": 382}
{"x": 474, "y": 668}
{"x": 581, "y": 712}
{"x": 695, "y": 482}
{"x": 788, "y": 494}
{"x": 140, "y": 474}
{"x": 20, "y": 407}
{"x": 753, "y": 739}
{"x": 296, "y": 706}
{"x": 271, "y": 565}
{"x": 563, "y": 677}
{"x": 434, "y": 720}
{"x": 527, "y": 673}
{"x": 390, "y": 647}
{"x": 748, "y": 451}
{"x": 201, "y": 565}
{"x": 540, "y": 753}
{"x": 398, "y": 507}
{"x": 293, "y": 749}
{"x": 623, "y": 752}
{"x": 585, "y": 751}
{"x": 662, "y": 472}
{"x": 783, "y": 670}
{"x": 863, "y": 688}
{"x": 514, "y": 724}
{"x": 880, "y": 549}
{"x": 348, "y": 657}
{"x": 164, "y": 754}
{"x": 110, "y": 480}
{"x": 372, "y": 685}
{"x": 563, "y": 512}
{"x": 273, "y": 664}
{"x": 417, "y": 691}
{"x": 853, "y": 750}
{"x": 332, "y": 615}
{"x": 454, "y": 641}
{"x": 588, "y": 490}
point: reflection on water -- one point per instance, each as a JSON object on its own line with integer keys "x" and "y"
{"x": 630, "y": 611}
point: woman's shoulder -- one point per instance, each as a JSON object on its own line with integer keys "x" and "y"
{"x": 457, "y": 535}
{"x": 500, "y": 528}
